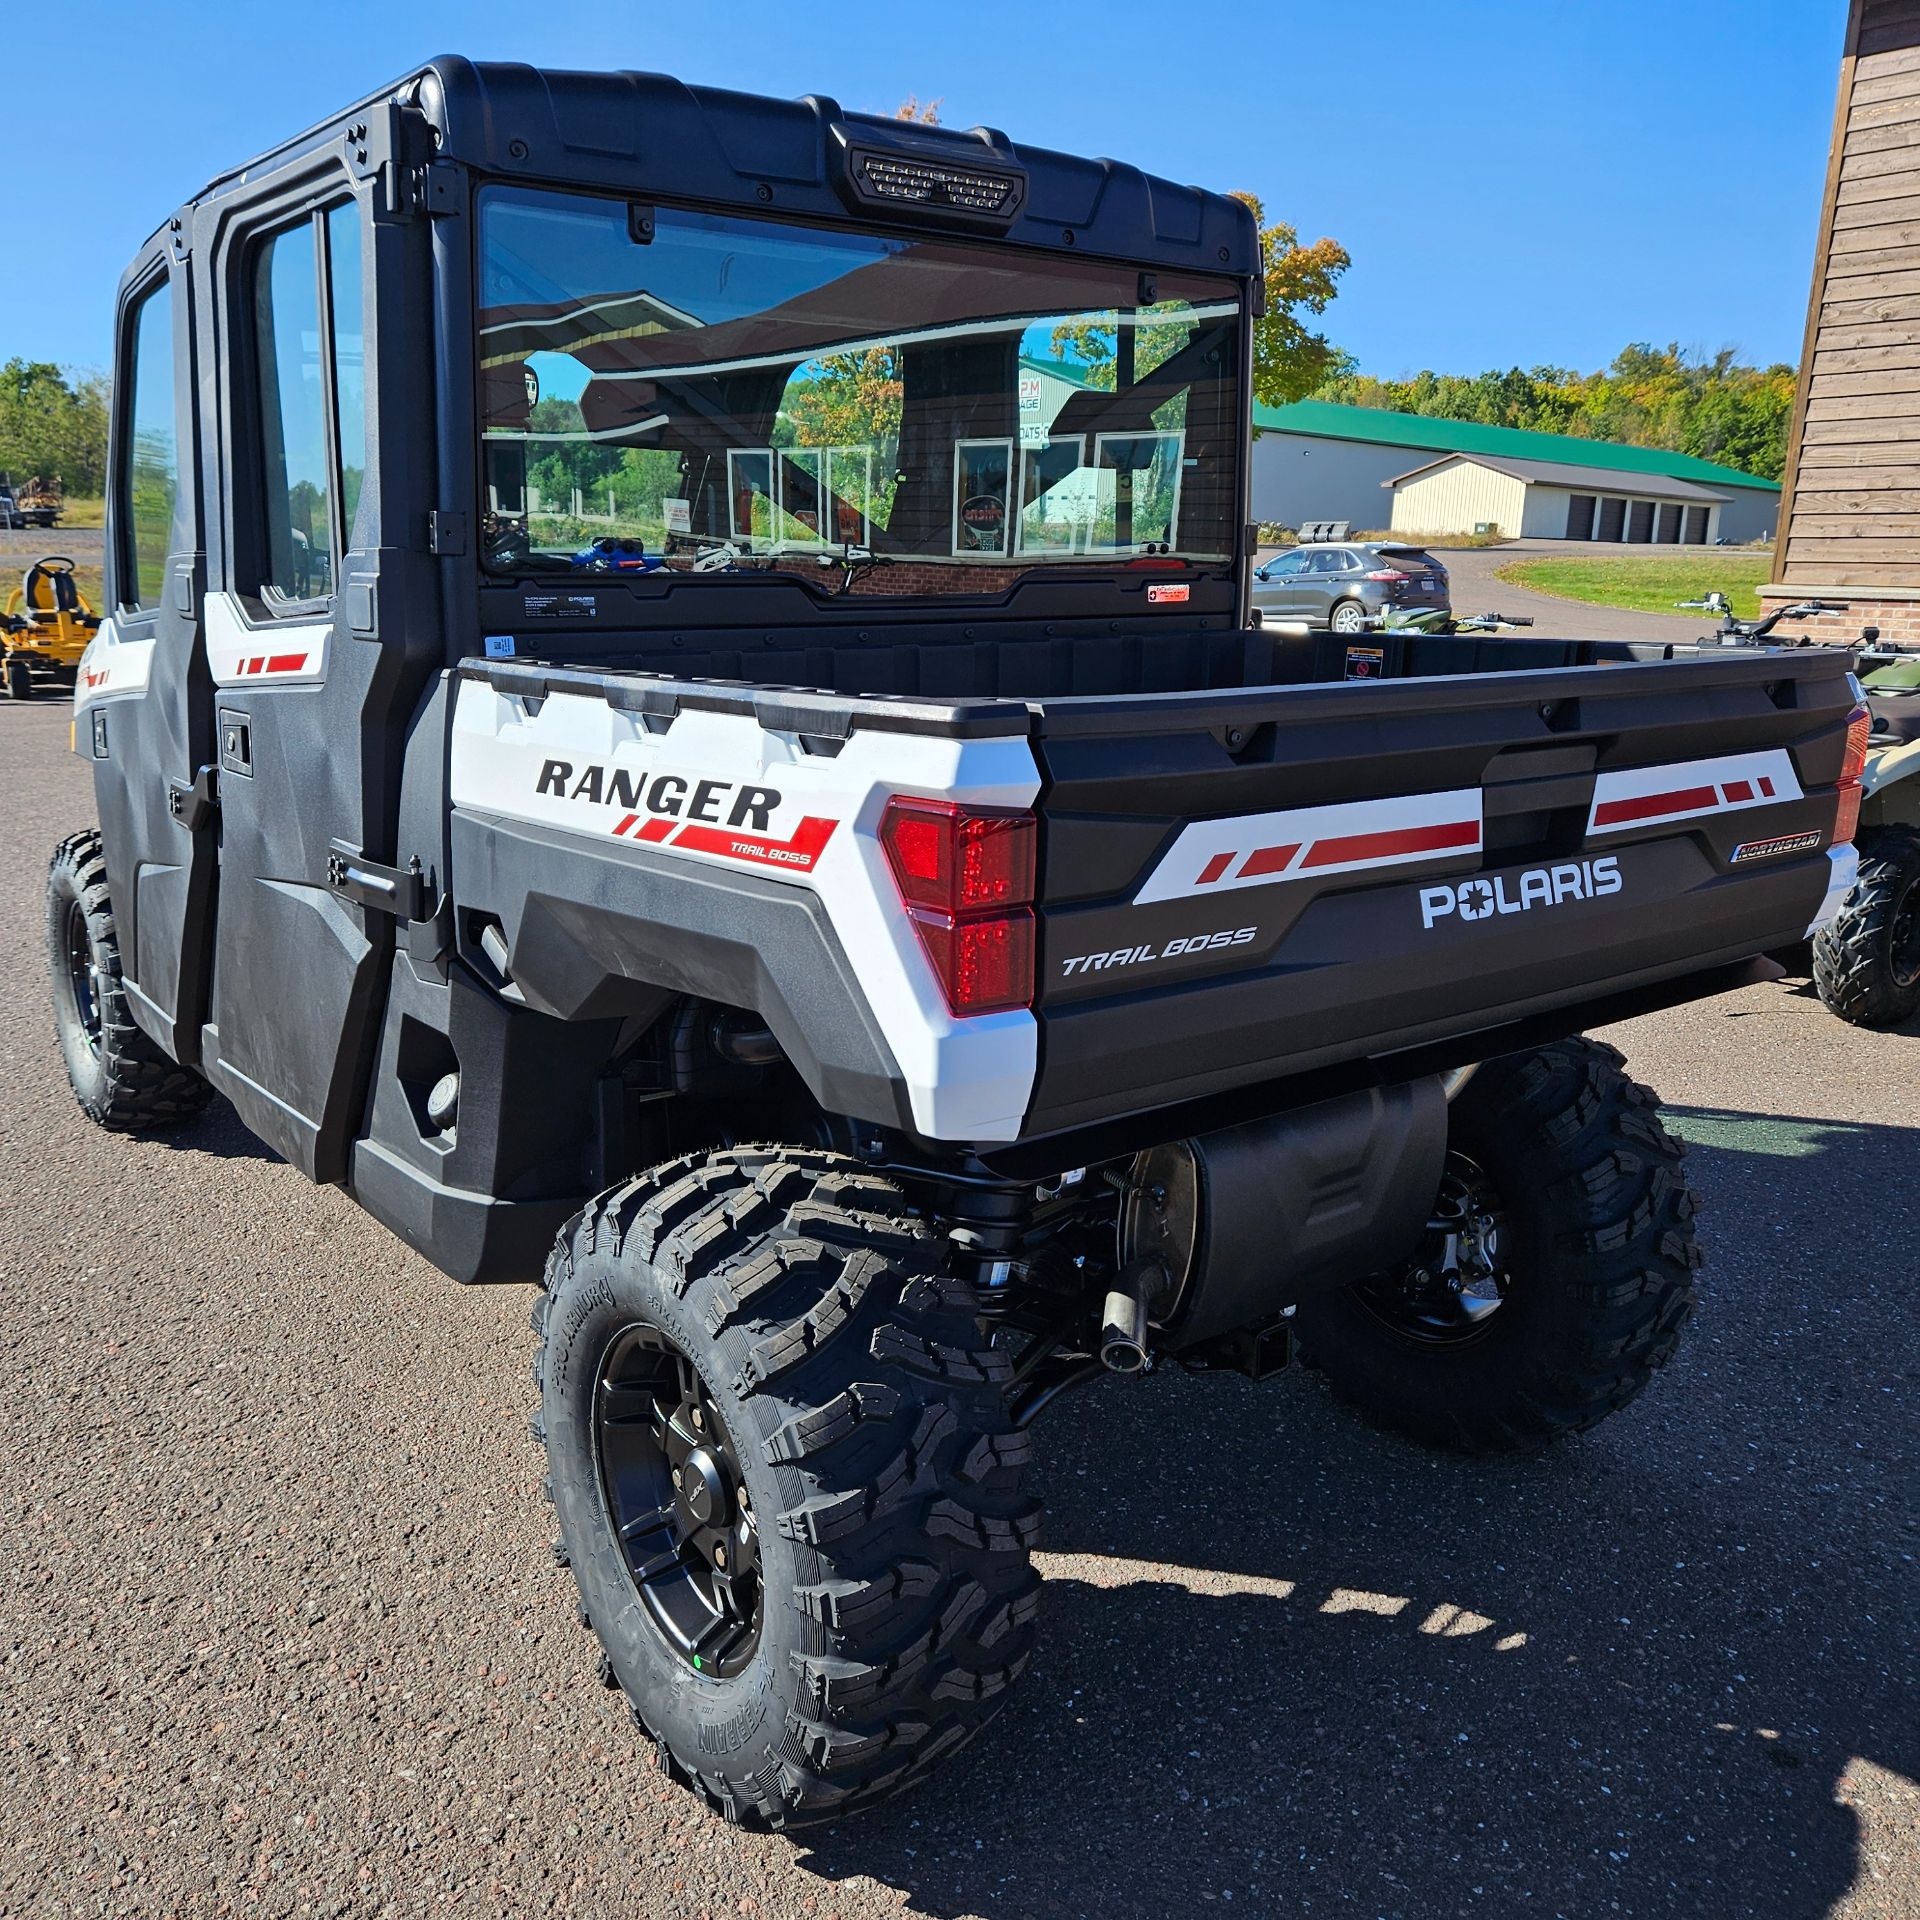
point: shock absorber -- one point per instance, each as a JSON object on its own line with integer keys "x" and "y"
{"x": 986, "y": 1225}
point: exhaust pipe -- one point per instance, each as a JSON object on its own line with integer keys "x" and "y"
{"x": 1123, "y": 1322}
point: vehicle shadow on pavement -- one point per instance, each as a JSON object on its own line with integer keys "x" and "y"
{"x": 219, "y": 1132}
{"x": 1288, "y": 1663}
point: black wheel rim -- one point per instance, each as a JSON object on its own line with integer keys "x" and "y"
{"x": 1903, "y": 943}
{"x": 1459, "y": 1278}
{"x": 83, "y": 976}
{"x": 677, "y": 1503}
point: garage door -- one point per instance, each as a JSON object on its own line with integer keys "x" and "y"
{"x": 1613, "y": 516}
{"x": 1640, "y": 522}
{"x": 1580, "y": 516}
{"x": 1696, "y": 527}
{"x": 1669, "y": 534}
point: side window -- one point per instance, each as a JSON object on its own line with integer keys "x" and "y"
{"x": 1287, "y": 567}
{"x": 344, "y": 301}
{"x": 148, "y": 482}
{"x": 312, "y": 395}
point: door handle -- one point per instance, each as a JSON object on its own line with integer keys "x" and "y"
{"x": 194, "y": 805}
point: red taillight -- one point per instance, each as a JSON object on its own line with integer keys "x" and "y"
{"x": 1852, "y": 765}
{"x": 1846, "y": 823}
{"x": 956, "y": 859}
{"x": 1389, "y": 573}
{"x": 1859, "y": 731}
{"x": 966, "y": 876}
{"x": 985, "y": 964}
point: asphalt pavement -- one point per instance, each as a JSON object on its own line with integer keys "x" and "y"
{"x": 1475, "y": 588}
{"x": 282, "y": 1636}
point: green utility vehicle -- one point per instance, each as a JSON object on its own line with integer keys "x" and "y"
{"x": 1866, "y": 961}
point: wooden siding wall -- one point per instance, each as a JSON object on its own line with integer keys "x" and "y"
{"x": 1851, "y": 514}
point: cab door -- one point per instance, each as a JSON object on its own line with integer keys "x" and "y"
{"x": 144, "y": 706}
{"x": 314, "y": 679}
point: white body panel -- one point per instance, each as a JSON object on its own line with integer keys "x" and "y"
{"x": 239, "y": 654}
{"x": 1844, "y": 865}
{"x": 966, "y": 1079}
{"x": 111, "y": 667}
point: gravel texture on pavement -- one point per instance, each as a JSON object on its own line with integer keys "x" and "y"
{"x": 282, "y": 1635}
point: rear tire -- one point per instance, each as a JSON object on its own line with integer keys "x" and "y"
{"x": 1593, "y": 1257}
{"x": 857, "y": 1449}
{"x": 1348, "y": 617}
{"x": 1866, "y": 960}
{"x": 19, "y": 679}
{"x": 122, "y": 1081}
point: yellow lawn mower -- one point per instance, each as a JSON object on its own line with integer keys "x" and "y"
{"x": 45, "y": 628}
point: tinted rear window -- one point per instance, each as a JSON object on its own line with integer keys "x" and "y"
{"x": 1410, "y": 557}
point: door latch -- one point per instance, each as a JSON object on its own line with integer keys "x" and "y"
{"x": 193, "y": 806}
{"x": 400, "y": 891}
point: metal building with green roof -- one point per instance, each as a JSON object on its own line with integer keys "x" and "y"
{"x": 1316, "y": 461}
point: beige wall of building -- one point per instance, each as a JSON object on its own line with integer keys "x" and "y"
{"x": 1458, "y": 497}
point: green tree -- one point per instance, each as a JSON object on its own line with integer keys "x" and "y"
{"x": 1708, "y": 405}
{"x": 1289, "y": 358}
{"x": 53, "y": 422}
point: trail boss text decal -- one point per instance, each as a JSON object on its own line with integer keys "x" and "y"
{"x": 724, "y": 817}
{"x": 1481, "y": 898}
{"x": 1134, "y": 956}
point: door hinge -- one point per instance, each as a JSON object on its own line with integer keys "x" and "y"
{"x": 401, "y": 891}
{"x": 441, "y": 188}
{"x": 194, "y": 805}
{"x": 446, "y": 533}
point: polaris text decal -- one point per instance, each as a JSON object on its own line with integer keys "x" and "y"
{"x": 1482, "y": 898}
{"x": 1134, "y": 956}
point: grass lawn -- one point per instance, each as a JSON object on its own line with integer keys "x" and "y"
{"x": 1649, "y": 583}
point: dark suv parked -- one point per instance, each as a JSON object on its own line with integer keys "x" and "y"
{"x": 1339, "y": 583}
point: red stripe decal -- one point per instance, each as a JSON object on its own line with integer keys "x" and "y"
{"x": 1215, "y": 868}
{"x": 1766, "y": 786}
{"x": 655, "y": 829}
{"x": 1739, "y": 792}
{"x": 1352, "y": 847}
{"x": 1654, "y": 806}
{"x": 797, "y": 854}
{"x": 286, "y": 662}
{"x": 626, "y": 821}
{"x": 1265, "y": 860}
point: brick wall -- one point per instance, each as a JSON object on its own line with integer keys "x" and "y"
{"x": 1896, "y": 619}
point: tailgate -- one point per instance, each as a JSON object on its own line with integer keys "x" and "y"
{"x": 1244, "y": 885}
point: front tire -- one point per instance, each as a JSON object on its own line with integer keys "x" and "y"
{"x": 1349, "y": 617}
{"x": 19, "y": 678}
{"x": 122, "y": 1081}
{"x": 1554, "y": 1281}
{"x": 1866, "y": 960}
{"x": 755, "y": 1351}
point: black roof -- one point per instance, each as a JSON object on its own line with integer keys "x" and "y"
{"x": 650, "y": 134}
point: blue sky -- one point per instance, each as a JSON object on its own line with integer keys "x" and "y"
{"x": 1518, "y": 182}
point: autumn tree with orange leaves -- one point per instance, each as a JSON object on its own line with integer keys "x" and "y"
{"x": 1290, "y": 359}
